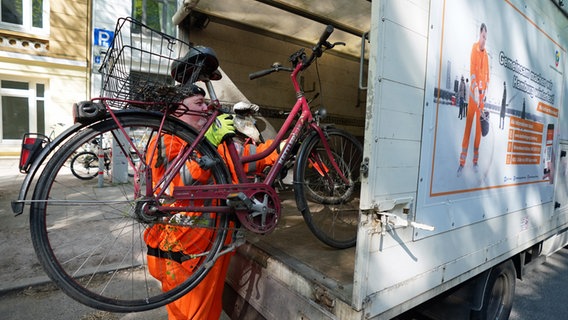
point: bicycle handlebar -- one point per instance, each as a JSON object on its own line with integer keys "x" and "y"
{"x": 275, "y": 68}
{"x": 317, "y": 51}
{"x": 260, "y": 73}
{"x": 325, "y": 35}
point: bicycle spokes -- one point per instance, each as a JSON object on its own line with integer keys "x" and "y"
{"x": 92, "y": 240}
{"x": 317, "y": 164}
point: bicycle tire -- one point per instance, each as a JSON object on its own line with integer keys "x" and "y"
{"x": 85, "y": 165}
{"x": 90, "y": 241}
{"x": 328, "y": 205}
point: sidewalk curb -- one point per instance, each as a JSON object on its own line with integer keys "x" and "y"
{"x": 25, "y": 284}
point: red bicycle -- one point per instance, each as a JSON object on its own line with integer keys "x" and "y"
{"x": 90, "y": 240}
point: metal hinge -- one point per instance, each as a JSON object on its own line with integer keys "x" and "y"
{"x": 364, "y": 169}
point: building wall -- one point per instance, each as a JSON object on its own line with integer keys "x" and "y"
{"x": 70, "y": 30}
{"x": 57, "y": 56}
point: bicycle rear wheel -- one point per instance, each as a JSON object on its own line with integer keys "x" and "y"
{"x": 85, "y": 165}
{"x": 330, "y": 206}
{"x": 90, "y": 239}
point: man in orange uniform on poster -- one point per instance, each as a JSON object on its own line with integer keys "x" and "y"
{"x": 479, "y": 75}
{"x": 168, "y": 243}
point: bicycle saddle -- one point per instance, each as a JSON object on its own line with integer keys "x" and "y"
{"x": 202, "y": 60}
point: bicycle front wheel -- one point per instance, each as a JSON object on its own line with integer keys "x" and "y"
{"x": 92, "y": 239}
{"x": 85, "y": 165}
{"x": 329, "y": 205}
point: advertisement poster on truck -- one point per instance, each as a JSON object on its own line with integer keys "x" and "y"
{"x": 493, "y": 94}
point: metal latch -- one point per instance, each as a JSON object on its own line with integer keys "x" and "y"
{"x": 395, "y": 212}
{"x": 397, "y": 221}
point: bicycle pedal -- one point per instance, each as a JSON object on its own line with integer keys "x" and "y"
{"x": 239, "y": 201}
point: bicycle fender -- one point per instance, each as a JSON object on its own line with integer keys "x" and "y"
{"x": 301, "y": 203}
{"x": 18, "y": 204}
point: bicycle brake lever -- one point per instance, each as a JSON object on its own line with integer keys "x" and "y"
{"x": 339, "y": 43}
{"x": 313, "y": 98}
{"x": 326, "y": 46}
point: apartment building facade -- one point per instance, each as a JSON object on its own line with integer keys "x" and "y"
{"x": 50, "y": 51}
{"x": 44, "y": 66}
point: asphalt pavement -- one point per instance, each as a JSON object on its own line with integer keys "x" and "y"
{"x": 27, "y": 293}
{"x": 542, "y": 293}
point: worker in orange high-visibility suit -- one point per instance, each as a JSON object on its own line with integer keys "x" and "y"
{"x": 479, "y": 75}
{"x": 169, "y": 246}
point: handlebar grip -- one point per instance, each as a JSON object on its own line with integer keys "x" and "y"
{"x": 260, "y": 73}
{"x": 325, "y": 35}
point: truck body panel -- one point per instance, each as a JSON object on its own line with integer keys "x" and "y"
{"x": 425, "y": 227}
{"x": 463, "y": 224}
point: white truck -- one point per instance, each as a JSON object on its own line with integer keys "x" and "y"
{"x": 432, "y": 238}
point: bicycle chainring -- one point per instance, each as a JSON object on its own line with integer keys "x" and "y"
{"x": 265, "y": 213}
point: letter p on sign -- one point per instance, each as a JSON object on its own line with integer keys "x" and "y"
{"x": 103, "y": 37}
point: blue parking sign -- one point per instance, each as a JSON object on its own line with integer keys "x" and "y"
{"x": 103, "y": 37}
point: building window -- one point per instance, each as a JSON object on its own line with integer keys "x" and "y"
{"x": 31, "y": 16}
{"x": 23, "y": 108}
{"x": 157, "y": 14}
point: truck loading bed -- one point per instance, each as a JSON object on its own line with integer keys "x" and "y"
{"x": 289, "y": 263}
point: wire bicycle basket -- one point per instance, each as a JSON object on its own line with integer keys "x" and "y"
{"x": 149, "y": 69}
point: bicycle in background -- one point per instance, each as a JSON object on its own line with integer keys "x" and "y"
{"x": 85, "y": 165}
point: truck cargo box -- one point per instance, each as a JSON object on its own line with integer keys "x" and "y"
{"x": 430, "y": 223}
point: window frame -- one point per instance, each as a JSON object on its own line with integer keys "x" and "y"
{"x": 27, "y": 19}
{"x": 163, "y": 18}
{"x": 33, "y": 101}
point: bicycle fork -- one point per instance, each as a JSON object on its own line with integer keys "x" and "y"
{"x": 318, "y": 164}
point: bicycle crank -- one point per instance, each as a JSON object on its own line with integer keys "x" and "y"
{"x": 258, "y": 212}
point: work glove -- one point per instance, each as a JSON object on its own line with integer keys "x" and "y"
{"x": 221, "y": 128}
{"x": 245, "y": 107}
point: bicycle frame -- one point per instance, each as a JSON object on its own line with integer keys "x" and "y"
{"x": 301, "y": 107}
{"x": 300, "y": 120}
{"x": 305, "y": 122}
{"x": 306, "y": 116}
{"x": 123, "y": 222}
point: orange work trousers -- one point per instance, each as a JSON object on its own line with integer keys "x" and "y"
{"x": 473, "y": 114}
{"x": 205, "y": 301}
